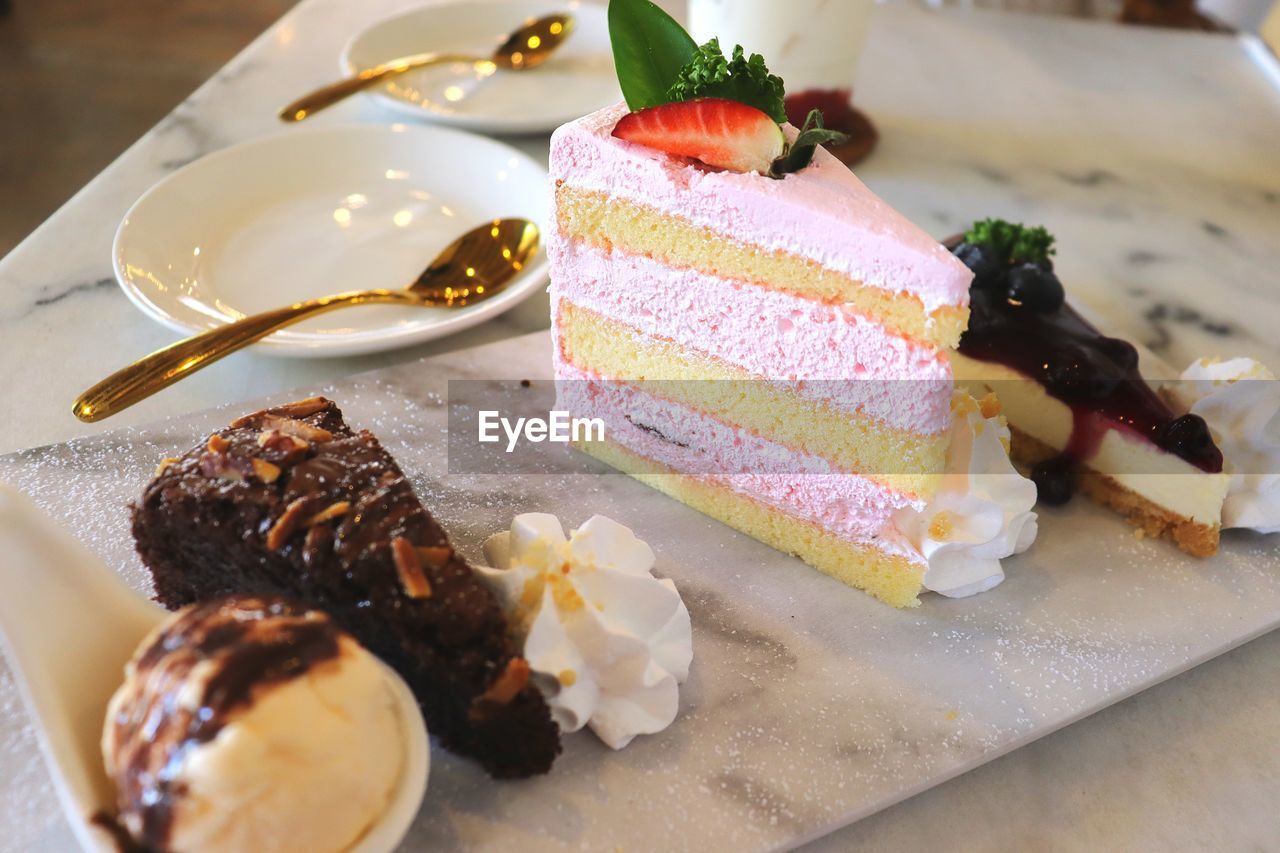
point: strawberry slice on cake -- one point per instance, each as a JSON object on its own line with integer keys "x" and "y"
{"x": 716, "y": 131}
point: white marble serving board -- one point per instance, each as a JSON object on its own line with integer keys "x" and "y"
{"x": 809, "y": 704}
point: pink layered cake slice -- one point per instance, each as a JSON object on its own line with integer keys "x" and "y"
{"x": 769, "y": 351}
{"x": 763, "y": 337}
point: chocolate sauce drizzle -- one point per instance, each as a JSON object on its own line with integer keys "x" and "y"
{"x": 250, "y": 642}
{"x": 1096, "y": 376}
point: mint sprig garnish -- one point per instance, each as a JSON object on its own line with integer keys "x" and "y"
{"x": 709, "y": 74}
{"x": 1014, "y": 243}
{"x": 800, "y": 153}
{"x": 649, "y": 50}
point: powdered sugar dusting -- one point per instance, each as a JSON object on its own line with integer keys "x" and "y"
{"x": 808, "y": 704}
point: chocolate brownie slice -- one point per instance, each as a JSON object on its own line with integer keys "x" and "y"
{"x": 291, "y": 501}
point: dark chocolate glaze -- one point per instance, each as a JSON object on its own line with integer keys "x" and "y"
{"x": 1096, "y": 376}
{"x": 242, "y": 644}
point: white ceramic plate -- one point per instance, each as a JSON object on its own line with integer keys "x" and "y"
{"x": 577, "y": 80}
{"x": 314, "y": 211}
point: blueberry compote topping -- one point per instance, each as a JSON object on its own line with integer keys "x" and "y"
{"x": 1018, "y": 318}
{"x": 1055, "y": 480}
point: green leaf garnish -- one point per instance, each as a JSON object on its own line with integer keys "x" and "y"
{"x": 710, "y": 75}
{"x": 800, "y": 153}
{"x": 1013, "y": 242}
{"x": 649, "y": 49}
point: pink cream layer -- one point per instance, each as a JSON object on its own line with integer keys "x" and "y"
{"x": 823, "y": 213}
{"x": 699, "y": 445}
{"x": 828, "y": 351}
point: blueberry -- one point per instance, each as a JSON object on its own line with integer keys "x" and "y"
{"x": 1075, "y": 374}
{"x": 1035, "y": 287}
{"x": 985, "y": 314}
{"x": 1187, "y": 436}
{"x": 1120, "y": 352}
{"x": 1055, "y": 480}
{"x": 983, "y": 261}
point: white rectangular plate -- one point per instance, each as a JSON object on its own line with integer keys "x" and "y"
{"x": 809, "y": 705}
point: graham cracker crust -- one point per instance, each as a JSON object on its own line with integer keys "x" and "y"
{"x": 1195, "y": 538}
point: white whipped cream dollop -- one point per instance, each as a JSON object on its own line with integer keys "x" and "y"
{"x": 607, "y": 642}
{"x": 1240, "y": 400}
{"x": 981, "y": 512}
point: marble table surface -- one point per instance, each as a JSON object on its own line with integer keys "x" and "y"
{"x": 1152, "y": 155}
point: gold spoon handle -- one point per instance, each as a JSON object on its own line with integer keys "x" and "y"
{"x": 166, "y": 366}
{"x": 327, "y": 96}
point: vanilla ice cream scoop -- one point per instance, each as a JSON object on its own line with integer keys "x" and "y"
{"x": 253, "y": 723}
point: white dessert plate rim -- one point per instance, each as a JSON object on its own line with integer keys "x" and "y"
{"x": 391, "y": 828}
{"x": 152, "y": 252}
{"x": 534, "y": 115}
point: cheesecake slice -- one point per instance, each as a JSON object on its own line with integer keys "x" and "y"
{"x": 1081, "y": 412}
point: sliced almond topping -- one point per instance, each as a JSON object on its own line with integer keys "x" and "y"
{"x": 315, "y": 535}
{"x": 296, "y": 409}
{"x": 316, "y": 544}
{"x": 301, "y": 408}
{"x": 435, "y": 556}
{"x": 285, "y": 449}
{"x": 410, "y": 570}
{"x": 285, "y": 524}
{"x": 508, "y": 685}
{"x": 217, "y": 444}
{"x": 164, "y": 464}
{"x": 274, "y": 439}
{"x": 219, "y": 465}
{"x": 296, "y": 428}
{"x": 267, "y": 472}
{"x": 334, "y": 510}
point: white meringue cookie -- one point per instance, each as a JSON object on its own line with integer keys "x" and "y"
{"x": 608, "y": 642}
{"x": 981, "y": 512}
{"x": 1240, "y": 400}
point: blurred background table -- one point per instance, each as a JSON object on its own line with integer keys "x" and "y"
{"x": 1154, "y": 156}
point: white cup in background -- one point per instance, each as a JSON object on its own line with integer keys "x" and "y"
{"x": 811, "y": 44}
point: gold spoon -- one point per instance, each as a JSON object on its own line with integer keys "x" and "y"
{"x": 528, "y": 47}
{"x": 471, "y": 269}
